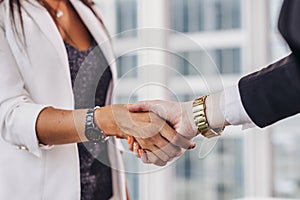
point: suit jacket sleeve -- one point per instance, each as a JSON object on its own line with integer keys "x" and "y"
{"x": 273, "y": 93}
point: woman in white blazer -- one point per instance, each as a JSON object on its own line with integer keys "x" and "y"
{"x": 39, "y": 126}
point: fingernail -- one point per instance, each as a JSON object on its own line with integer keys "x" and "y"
{"x": 128, "y": 105}
{"x": 129, "y": 139}
{"x": 135, "y": 146}
{"x": 118, "y": 137}
{"x": 193, "y": 146}
{"x": 140, "y": 152}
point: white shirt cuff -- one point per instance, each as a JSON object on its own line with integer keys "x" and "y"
{"x": 233, "y": 110}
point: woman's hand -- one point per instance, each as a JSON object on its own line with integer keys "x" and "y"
{"x": 159, "y": 141}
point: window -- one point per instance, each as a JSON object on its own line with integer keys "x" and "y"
{"x": 127, "y": 66}
{"x": 192, "y": 63}
{"x": 218, "y": 176}
{"x": 205, "y": 15}
{"x": 286, "y": 152}
{"x": 126, "y": 16}
{"x": 126, "y": 99}
{"x": 227, "y": 60}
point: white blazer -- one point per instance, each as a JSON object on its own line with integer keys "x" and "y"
{"x": 32, "y": 78}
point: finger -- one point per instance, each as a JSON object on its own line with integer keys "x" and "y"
{"x": 154, "y": 159}
{"x": 140, "y": 152}
{"x": 130, "y": 141}
{"x": 169, "y": 149}
{"x": 135, "y": 149}
{"x": 192, "y": 146}
{"x": 144, "y": 158}
{"x": 151, "y": 143}
{"x": 172, "y": 151}
{"x": 176, "y": 139}
{"x": 181, "y": 152}
{"x": 161, "y": 155}
{"x": 156, "y": 106}
{"x": 155, "y": 150}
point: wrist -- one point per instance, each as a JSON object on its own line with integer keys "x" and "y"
{"x": 188, "y": 109}
{"x": 214, "y": 114}
{"x": 105, "y": 121}
{"x": 208, "y": 116}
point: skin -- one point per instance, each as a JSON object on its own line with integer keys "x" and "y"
{"x": 56, "y": 126}
{"x": 180, "y": 116}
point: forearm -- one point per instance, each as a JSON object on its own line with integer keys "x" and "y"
{"x": 56, "y": 126}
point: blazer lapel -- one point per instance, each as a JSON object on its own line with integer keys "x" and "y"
{"x": 47, "y": 26}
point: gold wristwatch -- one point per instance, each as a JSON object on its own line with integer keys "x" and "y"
{"x": 201, "y": 120}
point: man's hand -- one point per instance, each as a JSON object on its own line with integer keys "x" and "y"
{"x": 179, "y": 115}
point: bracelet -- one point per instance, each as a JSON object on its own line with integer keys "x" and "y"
{"x": 201, "y": 120}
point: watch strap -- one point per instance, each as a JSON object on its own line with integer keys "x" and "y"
{"x": 200, "y": 119}
{"x": 92, "y": 132}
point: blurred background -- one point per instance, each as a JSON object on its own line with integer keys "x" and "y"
{"x": 240, "y": 36}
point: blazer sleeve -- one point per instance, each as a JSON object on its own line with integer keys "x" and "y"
{"x": 273, "y": 93}
{"x": 18, "y": 113}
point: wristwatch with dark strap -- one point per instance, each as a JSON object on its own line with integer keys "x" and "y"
{"x": 92, "y": 132}
{"x": 201, "y": 120}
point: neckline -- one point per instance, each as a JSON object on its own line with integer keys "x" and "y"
{"x": 93, "y": 44}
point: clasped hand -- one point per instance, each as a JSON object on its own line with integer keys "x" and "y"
{"x": 150, "y": 136}
{"x": 178, "y": 115}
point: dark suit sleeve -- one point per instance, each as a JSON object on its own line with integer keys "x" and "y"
{"x": 289, "y": 24}
{"x": 273, "y": 93}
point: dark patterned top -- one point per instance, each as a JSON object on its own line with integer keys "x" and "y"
{"x": 86, "y": 68}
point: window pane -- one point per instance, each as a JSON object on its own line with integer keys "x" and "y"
{"x": 228, "y": 61}
{"x": 126, "y": 99}
{"x": 203, "y": 15}
{"x": 286, "y": 162}
{"x": 126, "y": 16}
{"x": 219, "y": 176}
{"x": 127, "y": 66}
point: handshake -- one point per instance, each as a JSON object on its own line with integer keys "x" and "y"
{"x": 157, "y": 131}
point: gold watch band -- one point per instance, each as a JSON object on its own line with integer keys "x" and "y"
{"x": 201, "y": 120}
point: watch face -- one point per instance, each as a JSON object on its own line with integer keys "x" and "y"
{"x": 93, "y": 135}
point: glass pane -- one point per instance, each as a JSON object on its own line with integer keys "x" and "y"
{"x": 218, "y": 176}
{"x": 286, "y": 162}
{"x": 228, "y": 61}
{"x": 127, "y": 66}
{"x": 126, "y": 99}
{"x": 126, "y": 16}
{"x": 204, "y": 15}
